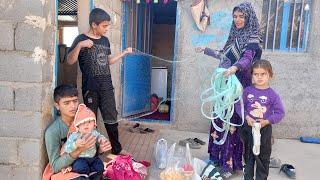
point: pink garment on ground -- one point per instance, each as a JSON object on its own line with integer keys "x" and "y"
{"x": 122, "y": 169}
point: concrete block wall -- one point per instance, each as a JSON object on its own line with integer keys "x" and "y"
{"x": 27, "y": 44}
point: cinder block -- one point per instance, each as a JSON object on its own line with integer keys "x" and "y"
{"x": 116, "y": 36}
{"x": 28, "y": 98}
{"x": 116, "y": 6}
{"x": 49, "y": 12}
{"x": 6, "y": 97}
{"x": 27, "y": 173}
{"x": 9, "y": 154}
{"x": 29, "y": 152}
{"x": 49, "y": 40}
{"x": 7, "y": 36}
{"x": 6, "y": 171}
{"x": 17, "y": 10}
{"x": 21, "y": 124}
{"x": 28, "y": 37}
{"x": 117, "y": 21}
{"x": 47, "y": 69}
{"x": 17, "y": 67}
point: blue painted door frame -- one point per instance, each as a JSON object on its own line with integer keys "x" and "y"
{"x": 135, "y": 74}
{"x": 128, "y": 98}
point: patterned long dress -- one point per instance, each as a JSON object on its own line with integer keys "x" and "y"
{"x": 246, "y": 42}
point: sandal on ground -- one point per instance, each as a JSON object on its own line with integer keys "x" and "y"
{"x": 136, "y": 125}
{"x": 275, "y": 162}
{"x": 137, "y": 130}
{"x": 289, "y": 170}
{"x": 192, "y": 143}
{"x": 199, "y": 141}
{"x": 148, "y": 130}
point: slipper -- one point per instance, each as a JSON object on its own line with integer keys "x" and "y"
{"x": 275, "y": 163}
{"x": 148, "y": 130}
{"x": 141, "y": 130}
{"x": 134, "y": 128}
{"x": 137, "y": 130}
{"x": 192, "y": 143}
{"x": 289, "y": 170}
{"x": 136, "y": 125}
{"x": 199, "y": 141}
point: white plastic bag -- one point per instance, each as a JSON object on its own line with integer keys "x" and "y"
{"x": 205, "y": 170}
{"x": 179, "y": 165}
{"x": 198, "y": 166}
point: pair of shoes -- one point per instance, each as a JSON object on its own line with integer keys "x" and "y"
{"x": 289, "y": 170}
{"x": 199, "y": 141}
{"x": 137, "y": 129}
{"x": 192, "y": 143}
{"x": 275, "y": 162}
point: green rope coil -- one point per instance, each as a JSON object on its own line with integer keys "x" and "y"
{"x": 223, "y": 94}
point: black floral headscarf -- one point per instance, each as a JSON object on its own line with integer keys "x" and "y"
{"x": 250, "y": 32}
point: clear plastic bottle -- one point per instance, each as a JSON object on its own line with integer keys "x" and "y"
{"x": 161, "y": 153}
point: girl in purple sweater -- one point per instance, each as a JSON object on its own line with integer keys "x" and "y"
{"x": 240, "y": 51}
{"x": 262, "y": 107}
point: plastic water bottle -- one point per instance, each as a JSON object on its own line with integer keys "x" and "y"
{"x": 161, "y": 153}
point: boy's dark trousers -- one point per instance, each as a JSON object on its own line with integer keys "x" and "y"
{"x": 263, "y": 159}
{"x": 104, "y": 99}
{"x": 87, "y": 165}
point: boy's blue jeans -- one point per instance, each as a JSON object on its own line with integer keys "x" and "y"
{"x": 87, "y": 165}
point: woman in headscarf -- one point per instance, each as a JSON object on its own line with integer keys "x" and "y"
{"x": 240, "y": 51}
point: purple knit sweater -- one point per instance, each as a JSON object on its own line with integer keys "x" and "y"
{"x": 262, "y": 104}
{"x": 243, "y": 64}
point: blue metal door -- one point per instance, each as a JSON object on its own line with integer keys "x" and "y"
{"x": 136, "y": 84}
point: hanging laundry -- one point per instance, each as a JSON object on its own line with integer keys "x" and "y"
{"x": 201, "y": 14}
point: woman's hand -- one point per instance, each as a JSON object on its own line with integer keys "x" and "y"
{"x": 231, "y": 70}
{"x": 199, "y": 49}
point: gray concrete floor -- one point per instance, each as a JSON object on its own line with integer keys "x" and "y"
{"x": 304, "y": 157}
